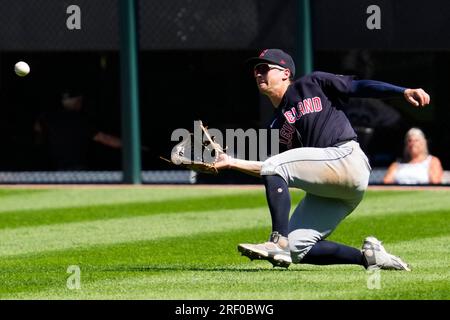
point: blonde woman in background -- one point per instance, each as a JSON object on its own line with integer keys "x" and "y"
{"x": 417, "y": 166}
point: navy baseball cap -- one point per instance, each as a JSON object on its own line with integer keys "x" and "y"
{"x": 274, "y": 56}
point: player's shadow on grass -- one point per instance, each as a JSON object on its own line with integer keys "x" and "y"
{"x": 152, "y": 268}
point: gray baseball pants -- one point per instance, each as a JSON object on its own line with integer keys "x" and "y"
{"x": 334, "y": 180}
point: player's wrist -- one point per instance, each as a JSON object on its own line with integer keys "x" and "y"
{"x": 231, "y": 163}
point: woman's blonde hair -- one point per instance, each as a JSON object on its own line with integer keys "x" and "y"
{"x": 414, "y": 132}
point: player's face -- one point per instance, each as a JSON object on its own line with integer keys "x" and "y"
{"x": 268, "y": 76}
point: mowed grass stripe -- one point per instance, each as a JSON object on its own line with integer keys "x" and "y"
{"x": 35, "y": 199}
{"x": 371, "y": 205}
{"x": 181, "y": 251}
{"x": 385, "y": 202}
{"x": 21, "y": 241}
{"x": 401, "y": 225}
{"x": 16, "y": 219}
{"x": 192, "y": 252}
{"x": 394, "y": 226}
{"x": 184, "y": 268}
{"x": 72, "y": 235}
{"x": 20, "y": 192}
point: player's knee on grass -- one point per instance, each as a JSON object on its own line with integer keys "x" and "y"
{"x": 301, "y": 241}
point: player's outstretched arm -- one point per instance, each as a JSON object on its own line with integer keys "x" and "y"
{"x": 248, "y": 167}
{"x": 378, "y": 89}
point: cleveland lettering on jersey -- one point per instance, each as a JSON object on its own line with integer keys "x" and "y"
{"x": 309, "y": 114}
{"x": 308, "y": 105}
{"x": 287, "y": 132}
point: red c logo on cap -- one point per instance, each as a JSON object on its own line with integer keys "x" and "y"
{"x": 282, "y": 61}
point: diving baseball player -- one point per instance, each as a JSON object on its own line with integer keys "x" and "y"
{"x": 319, "y": 154}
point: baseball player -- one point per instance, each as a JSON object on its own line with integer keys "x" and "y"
{"x": 319, "y": 154}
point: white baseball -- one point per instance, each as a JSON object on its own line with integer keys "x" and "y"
{"x": 22, "y": 68}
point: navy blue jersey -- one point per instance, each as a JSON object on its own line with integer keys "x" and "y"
{"x": 308, "y": 114}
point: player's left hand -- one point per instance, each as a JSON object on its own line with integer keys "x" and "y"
{"x": 417, "y": 97}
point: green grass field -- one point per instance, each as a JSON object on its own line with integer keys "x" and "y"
{"x": 180, "y": 243}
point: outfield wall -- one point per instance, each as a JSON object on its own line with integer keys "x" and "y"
{"x": 148, "y": 177}
{"x": 225, "y": 24}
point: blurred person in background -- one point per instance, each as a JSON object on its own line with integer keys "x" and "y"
{"x": 417, "y": 165}
{"x": 67, "y": 132}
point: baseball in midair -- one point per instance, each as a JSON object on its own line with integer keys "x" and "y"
{"x": 22, "y": 68}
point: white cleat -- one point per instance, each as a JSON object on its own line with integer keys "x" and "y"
{"x": 378, "y": 258}
{"x": 271, "y": 251}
